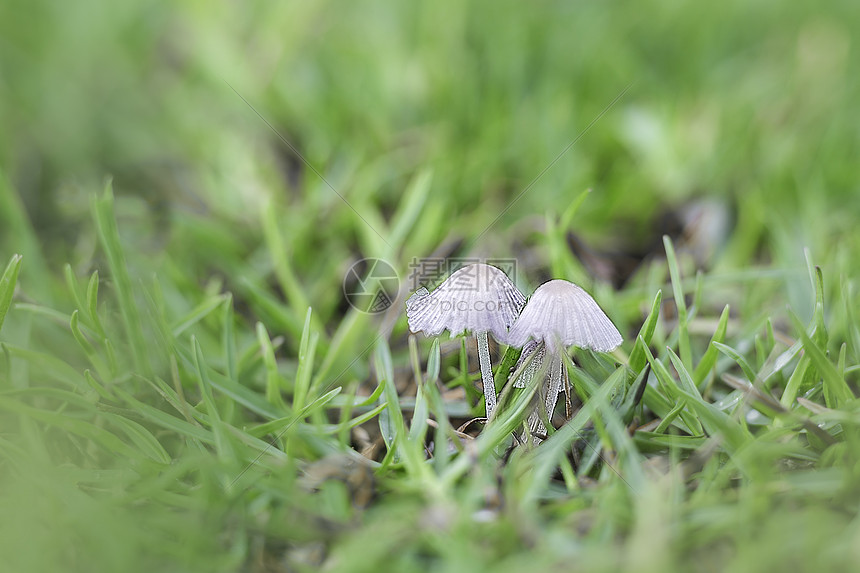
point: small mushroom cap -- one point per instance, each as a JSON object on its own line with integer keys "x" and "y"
{"x": 561, "y": 312}
{"x": 478, "y": 298}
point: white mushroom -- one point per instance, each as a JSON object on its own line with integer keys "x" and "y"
{"x": 478, "y": 298}
{"x": 560, "y": 314}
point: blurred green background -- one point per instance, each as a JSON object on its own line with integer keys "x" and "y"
{"x": 752, "y": 104}
{"x": 441, "y": 124}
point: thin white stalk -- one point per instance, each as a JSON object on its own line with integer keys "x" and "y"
{"x": 553, "y": 389}
{"x": 568, "y": 391}
{"x": 536, "y": 426}
{"x": 525, "y": 379}
{"x": 486, "y": 372}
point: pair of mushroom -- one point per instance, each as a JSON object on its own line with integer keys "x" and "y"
{"x": 481, "y": 299}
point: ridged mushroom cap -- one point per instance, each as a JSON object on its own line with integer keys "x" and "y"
{"x": 560, "y": 311}
{"x": 478, "y": 298}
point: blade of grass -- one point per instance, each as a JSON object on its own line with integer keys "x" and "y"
{"x": 228, "y": 339}
{"x": 709, "y": 359}
{"x": 673, "y": 391}
{"x": 87, "y": 347}
{"x": 638, "y": 359}
{"x": 798, "y": 379}
{"x": 769, "y": 406}
{"x": 611, "y": 428}
{"x": 687, "y": 383}
{"x": 443, "y": 431}
{"x": 410, "y": 208}
{"x": 279, "y": 251}
{"x": 307, "y": 348}
{"x": 281, "y": 425}
{"x": 165, "y": 420}
{"x": 680, "y": 303}
{"x": 93, "y": 304}
{"x": 740, "y": 360}
{"x": 736, "y": 436}
{"x": 140, "y": 437}
{"x": 7, "y": 285}
{"x": 411, "y": 452}
{"x": 837, "y": 391}
{"x": 562, "y": 261}
{"x": 50, "y": 365}
{"x": 72, "y": 286}
{"x": 667, "y": 420}
{"x": 851, "y": 323}
{"x": 109, "y": 238}
{"x": 418, "y": 427}
{"x": 84, "y": 429}
{"x": 504, "y": 370}
{"x": 360, "y": 419}
{"x": 98, "y": 387}
{"x": 274, "y": 381}
{"x": 270, "y": 309}
{"x": 16, "y": 225}
{"x": 512, "y": 409}
{"x": 222, "y": 445}
{"x": 391, "y": 419}
{"x": 545, "y": 459}
{"x": 200, "y": 312}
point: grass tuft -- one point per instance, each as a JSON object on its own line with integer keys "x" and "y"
{"x": 184, "y": 385}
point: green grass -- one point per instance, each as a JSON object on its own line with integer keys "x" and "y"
{"x": 184, "y": 388}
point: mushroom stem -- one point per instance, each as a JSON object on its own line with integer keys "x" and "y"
{"x": 486, "y": 372}
{"x": 553, "y": 389}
